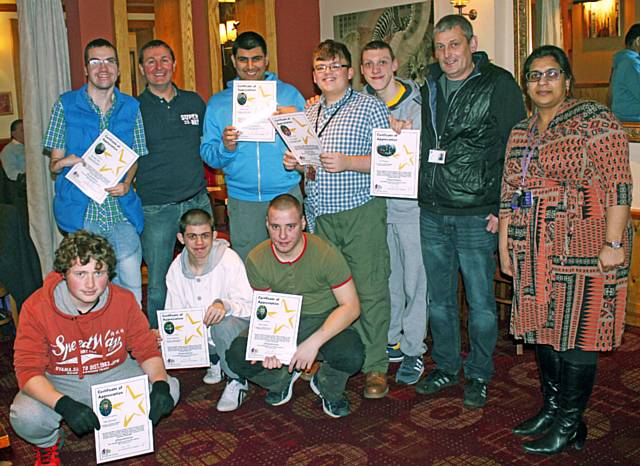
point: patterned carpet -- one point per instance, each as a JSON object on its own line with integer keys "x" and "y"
{"x": 402, "y": 429}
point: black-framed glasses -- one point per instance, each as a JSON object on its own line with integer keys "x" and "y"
{"x": 552, "y": 74}
{"x": 95, "y": 62}
{"x": 321, "y": 68}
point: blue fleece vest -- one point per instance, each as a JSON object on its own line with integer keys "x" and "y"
{"x": 82, "y": 128}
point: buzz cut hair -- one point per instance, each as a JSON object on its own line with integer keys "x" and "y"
{"x": 285, "y": 202}
{"x": 378, "y": 45}
{"x": 196, "y": 217}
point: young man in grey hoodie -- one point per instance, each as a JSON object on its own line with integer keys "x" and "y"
{"x": 208, "y": 274}
{"x": 407, "y": 282}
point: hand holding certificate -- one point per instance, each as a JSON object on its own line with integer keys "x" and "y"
{"x": 299, "y": 136}
{"x": 104, "y": 164}
{"x": 184, "y": 338}
{"x": 274, "y": 325}
{"x": 395, "y": 163}
{"x": 253, "y": 103}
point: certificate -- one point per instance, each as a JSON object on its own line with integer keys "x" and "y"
{"x": 299, "y": 136}
{"x": 273, "y": 330}
{"x": 395, "y": 163}
{"x": 105, "y": 162}
{"x": 184, "y": 338}
{"x": 123, "y": 410}
{"x": 253, "y": 103}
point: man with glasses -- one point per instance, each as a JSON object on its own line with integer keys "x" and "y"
{"x": 407, "y": 283}
{"x": 170, "y": 180}
{"x": 338, "y": 205}
{"x": 208, "y": 274}
{"x": 77, "y": 119}
{"x": 253, "y": 171}
{"x": 469, "y": 107}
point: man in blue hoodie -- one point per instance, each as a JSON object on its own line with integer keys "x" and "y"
{"x": 625, "y": 78}
{"x": 253, "y": 171}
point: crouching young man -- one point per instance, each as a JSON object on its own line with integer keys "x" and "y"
{"x": 75, "y": 332}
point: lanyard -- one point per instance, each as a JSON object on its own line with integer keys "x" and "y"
{"x": 331, "y": 117}
{"x": 526, "y": 160}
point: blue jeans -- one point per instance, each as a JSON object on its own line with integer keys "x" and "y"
{"x": 450, "y": 243}
{"x": 126, "y": 245}
{"x": 161, "y": 225}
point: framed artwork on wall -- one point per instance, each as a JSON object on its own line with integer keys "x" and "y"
{"x": 6, "y": 107}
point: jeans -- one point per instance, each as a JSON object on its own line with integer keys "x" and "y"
{"x": 161, "y": 225}
{"x": 126, "y": 245}
{"x": 450, "y": 243}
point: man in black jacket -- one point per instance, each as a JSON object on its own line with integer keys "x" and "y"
{"x": 462, "y": 155}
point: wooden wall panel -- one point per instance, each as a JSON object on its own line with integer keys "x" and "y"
{"x": 167, "y": 17}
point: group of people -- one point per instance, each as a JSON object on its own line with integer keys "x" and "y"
{"x": 552, "y": 190}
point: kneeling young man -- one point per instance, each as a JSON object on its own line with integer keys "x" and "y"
{"x": 75, "y": 332}
{"x": 208, "y": 273}
{"x": 297, "y": 263}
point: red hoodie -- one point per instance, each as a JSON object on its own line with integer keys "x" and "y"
{"x": 48, "y": 340}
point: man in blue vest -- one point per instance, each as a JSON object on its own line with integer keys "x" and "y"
{"x": 77, "y": 119}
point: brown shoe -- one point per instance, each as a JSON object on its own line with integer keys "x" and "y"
{"x": 375, "y": 385}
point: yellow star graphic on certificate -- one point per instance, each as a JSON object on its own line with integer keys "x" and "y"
{"x": 132, "y": 406}
{"x": 194, "y": 329}
{"x": 289, "y": 322}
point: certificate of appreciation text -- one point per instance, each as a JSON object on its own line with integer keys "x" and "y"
{"x": 395, "y": 163}
{"x": 299, "y": 136}
{"x": 184, "y": 338}
{"x": 253, "y": 103}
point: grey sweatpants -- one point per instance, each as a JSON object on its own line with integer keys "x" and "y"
{"x": 39, "y": 425}
{"x": 223, "y": 335}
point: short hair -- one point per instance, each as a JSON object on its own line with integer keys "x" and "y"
{"x": 249, "y": 40}
{"x": 94, "y": 44}
{"x": 15, "y": 124}
{"x": 632, "y": 35}
{"x": 554, "y": 52}
{"x": 377, "y": 45}
{"x": 195, "y": 217}
{"x": 330, "y": 49}
{"x": 446, "y": 23}
{"x": 285, "y": 202}
{"x": 83, "y": 246}
{"x": 155, "y": 43}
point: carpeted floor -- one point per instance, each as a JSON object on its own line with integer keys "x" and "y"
{"x": 402, "y": 429}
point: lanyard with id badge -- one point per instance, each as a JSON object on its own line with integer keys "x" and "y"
{"x": 521, "y": 197}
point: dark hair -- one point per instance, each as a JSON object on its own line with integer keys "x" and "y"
{"x": 554, "y": 52}
{"x": 94, "y": 44}
{"x": 155, "y": 43}
{"x": 249, "y": 40}
{"x": 83, "y": 246}
{"x": 15, "y": 124}
{"x": 632, "y": 35}
{"x": 195, "y": 217}
{"x": 285, "y": 202}
{"x": 330, "y": 49}
{"x": 377, "y": 45}
{"x": 446, "y": 23}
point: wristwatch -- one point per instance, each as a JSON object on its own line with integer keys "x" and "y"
{"x": 613, "y": 244}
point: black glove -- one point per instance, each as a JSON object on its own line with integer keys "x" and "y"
{"x": 80, "y": 417}
{"x": 161, "y": 401}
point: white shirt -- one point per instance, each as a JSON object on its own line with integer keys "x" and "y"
{"x": 12, "y": 157}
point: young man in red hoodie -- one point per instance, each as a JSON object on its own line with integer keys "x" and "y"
{"x": 74, "y": 332}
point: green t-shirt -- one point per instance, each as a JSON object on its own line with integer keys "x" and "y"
{"x": 320, "y": 268}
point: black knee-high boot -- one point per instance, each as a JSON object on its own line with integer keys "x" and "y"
{"x": 549, "y": 366}
{"x": 568, "y": 428}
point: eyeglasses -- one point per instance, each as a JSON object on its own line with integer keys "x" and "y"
{"x": 95, "y": 62}
{"x": 370, "y": 64}
{"x": 552, "y": 74}
{"x": 331, "y": 67}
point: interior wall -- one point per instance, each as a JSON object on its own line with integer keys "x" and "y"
{"x": 7, "y": 76}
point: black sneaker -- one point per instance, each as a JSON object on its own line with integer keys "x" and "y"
{"x": 394, "y": 353}
{"x": 436, "y": 381}
{"x": 334, "y": 409}
{"x": 280, "y": 398}
{"x": 475, "y": 393}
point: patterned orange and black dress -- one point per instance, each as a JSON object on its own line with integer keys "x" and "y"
{"x": 579, "y": 166}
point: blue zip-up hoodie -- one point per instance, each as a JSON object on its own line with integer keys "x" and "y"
{"x": 625, "y": 85}
{"x": 82, "y": 128}
{"x": 254, "y": 171}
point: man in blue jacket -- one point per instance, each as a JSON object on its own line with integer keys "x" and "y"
{"x": 253, "y": 171}
{"x": 77, "y": 119}
{"x": 625, "y": 79}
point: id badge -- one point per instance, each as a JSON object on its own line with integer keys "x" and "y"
{"x": 437, "y": 156}
{"x": 526, "y": 199}
{"x": 515, "y": 200}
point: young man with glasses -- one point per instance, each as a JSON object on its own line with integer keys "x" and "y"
{"x": 208, "y": 274}
{"x": 253, "y": 171}
{"x": 77, "y": 119}
{"x": 338, "y": 205}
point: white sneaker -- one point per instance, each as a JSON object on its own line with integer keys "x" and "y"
{"x": 232, "y": 396}
{"x": 213, "y": 374}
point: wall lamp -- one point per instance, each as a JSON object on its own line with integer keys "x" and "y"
{"x": 460, "y": 5}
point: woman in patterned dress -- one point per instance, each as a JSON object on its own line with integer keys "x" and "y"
{"x": 565, "y": 237}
